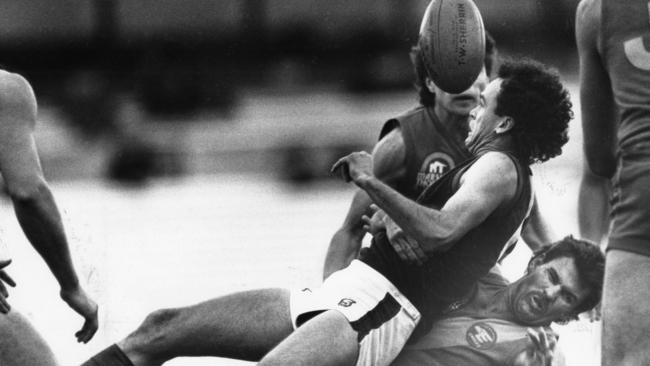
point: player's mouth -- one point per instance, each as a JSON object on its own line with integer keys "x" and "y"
{"x": 537, "y": 304}
{"x": 466, "y": 98}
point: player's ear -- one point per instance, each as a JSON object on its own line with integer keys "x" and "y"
{"x": 431, "y": 86}
{"x": 535, "y": 261}
{"x": 506, "y": 124}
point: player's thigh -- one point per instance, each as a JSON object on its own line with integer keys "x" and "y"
{"x": 625, "y": 302}
{"x": 327, "y": 339}
{"x": 20, "y": 344}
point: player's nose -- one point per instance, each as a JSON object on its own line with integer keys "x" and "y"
{"x": 553, "y": 291}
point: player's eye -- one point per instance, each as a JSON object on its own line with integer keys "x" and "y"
{"x": 569, "y": 299}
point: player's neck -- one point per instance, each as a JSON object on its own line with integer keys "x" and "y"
{"x": 490, "y": 304}
{"x": 493, "y": 142}
{"x": 497, "y": 306}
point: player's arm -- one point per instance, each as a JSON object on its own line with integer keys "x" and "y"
{"x": 537, "y": 232}
{"x": 389, "y": 155}
{"x": 593, "y": 206}
{"x": 596, "y": 99}
{"x": 488, "y": 183}
{"x": 33, "y": 202}
{"x": 598, "y": 125}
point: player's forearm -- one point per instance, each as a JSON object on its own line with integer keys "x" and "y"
{"x": 593, "y": 207}
{"x": 429, "y": 227}
{"x": 39, "y": 218}
{"x": 537, "y": 232}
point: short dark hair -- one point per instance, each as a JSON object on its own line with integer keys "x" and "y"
{"x": 426, "y": 97}
{"x": 534, "y": 97}
{"x": 589, "y": 261}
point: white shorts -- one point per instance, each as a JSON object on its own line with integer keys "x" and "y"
{"x": 381, "y": 315}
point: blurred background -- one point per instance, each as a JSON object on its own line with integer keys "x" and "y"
{"x": 145, "y": 88}
{"x": 188, "y": 142}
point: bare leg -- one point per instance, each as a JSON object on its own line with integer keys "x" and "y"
{"x": 626, "y": 309}
{"x": 243, "y": 325}
{"x": 328, "y": 339}
{"x": 20, "y": 344}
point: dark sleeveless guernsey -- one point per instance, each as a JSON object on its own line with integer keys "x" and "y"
{"x": 431, "y": 149}
{"x": 448, "y": 276}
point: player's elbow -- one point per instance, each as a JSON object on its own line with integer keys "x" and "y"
{"x": 602, "y": 166}
{"x": 350, "y": 231}
{"x": 28, "y": 192}
{"x": 601, "y": 158}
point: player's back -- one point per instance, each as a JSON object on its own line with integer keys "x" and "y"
{"x": 625, "y": 41}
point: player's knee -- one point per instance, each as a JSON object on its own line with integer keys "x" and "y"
{"x": 150, "y": 336}
{"x": 156, "y": 324}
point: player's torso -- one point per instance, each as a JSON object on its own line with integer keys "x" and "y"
{"x": 625, "y": 45}
{"x": 431, "y": 150}
{"x": 469, "y": 333}
{"x": 470, "y": 258}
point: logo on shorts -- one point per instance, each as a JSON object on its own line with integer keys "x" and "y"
{"x": 481, "y": 336}
{"x": 346, "y": 303}
{"x": 306, "y": 289}
{"x": 434, "y": 167}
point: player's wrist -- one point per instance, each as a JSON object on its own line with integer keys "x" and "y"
{"x": 365, "y": 181}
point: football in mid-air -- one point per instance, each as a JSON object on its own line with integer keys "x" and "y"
{"x": 452, "y": 43}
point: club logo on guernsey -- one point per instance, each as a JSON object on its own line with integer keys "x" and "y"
{"x": 434, "y": 166}
{"x": 481, "y": 336}
{"x": 346, "y": 303}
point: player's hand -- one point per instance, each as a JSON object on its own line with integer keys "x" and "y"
{"x": 5, "y": 279}
{"x": 540, "y": 350}
{"x": 354, "y": 167}
{"x": 406, "y": 247}
{"x": 80, "y": 302}
{"x": 375, "y": 223}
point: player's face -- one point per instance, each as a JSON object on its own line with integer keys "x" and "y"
{"x": 550, "y": 292}
{"x": 482, "y": 119}
{"x": 461, "y": 104}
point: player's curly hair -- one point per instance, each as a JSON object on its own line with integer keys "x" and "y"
{"x": 589, "y": 261}
{"x": 426, "y": 97}
{"x": 534, "y": 97}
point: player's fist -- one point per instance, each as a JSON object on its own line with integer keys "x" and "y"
{"x": 81, "y": 303}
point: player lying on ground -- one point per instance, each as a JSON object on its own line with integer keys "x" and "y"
{"x": 367, "y": 312}
{"x": 489, "y": 326}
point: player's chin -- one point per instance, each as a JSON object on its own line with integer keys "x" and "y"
{"x": 526, "y": 314}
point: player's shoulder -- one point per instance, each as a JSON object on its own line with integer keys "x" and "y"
{"x": 588, "y": 8}
{"x": 493, "y": 168}
{"x": 588, "y": 16}
{"x": 497, "y": 160}
{"x": 14, "y": 88}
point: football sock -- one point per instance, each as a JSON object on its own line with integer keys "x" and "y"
{"x": 112, "y": 355}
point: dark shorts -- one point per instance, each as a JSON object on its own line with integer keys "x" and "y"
{"x": 630, "y": 216}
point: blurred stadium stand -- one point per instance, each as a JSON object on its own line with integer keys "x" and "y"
{"x": 178, "y": 80}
